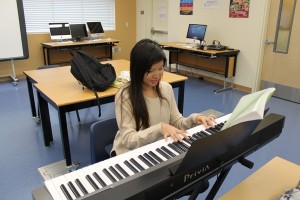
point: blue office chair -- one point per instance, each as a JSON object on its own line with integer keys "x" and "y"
{"x": 102, "y": 135}
{"x": 48, "y": 67}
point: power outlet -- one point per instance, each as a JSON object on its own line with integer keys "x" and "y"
{"x": 116, "y": 49}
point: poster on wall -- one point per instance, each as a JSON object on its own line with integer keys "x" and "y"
{"x": 211, "y": 3}
{"x": 186, "y": 7}
{"x": 239, "y": 8}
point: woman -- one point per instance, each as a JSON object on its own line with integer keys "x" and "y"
{"x": 146, "y": 110}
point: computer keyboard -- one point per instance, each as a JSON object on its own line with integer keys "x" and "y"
{"x": 216, "y": 47}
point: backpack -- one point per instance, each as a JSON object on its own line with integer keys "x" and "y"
{"x": 91, "y": 73}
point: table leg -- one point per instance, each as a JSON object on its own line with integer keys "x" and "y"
{"x": 45, "y": 119}
{"x": 181, "y": 96}
{"x": 31, "y": 97}
{"x": 64, "y": 136}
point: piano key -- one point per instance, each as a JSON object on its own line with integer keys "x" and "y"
{"x": 99, "y": 179}
{"x": 181, "y": 145}
{"x": 71, "y": 178}
{"x": 156, "y": 157}
{"x": 130, "y": 166}
{"x": 169, "y": 152}
{"x": 142, "y": 158}
{"x": 89, "y": 170}
{"x": 121, "y": 169}
{"x": 65, "y": 191}
{"x": 109, "y": 175}
{"x": 74, "y": 190}
{"x": 136, "y": 164}
{"x": 81, "y": 176}
{"x": 173, "y": 147}
{"x": 98, "y": 167}
{"x": 62, "y": 182}
{"x": 54, "y": 190}
{"x": 204, "y": 133}
{"x": 116, "y": 173}
{"x": 150, "y": 158}
{"x": 163, "y": 153}
{"x": 81, "y": 187}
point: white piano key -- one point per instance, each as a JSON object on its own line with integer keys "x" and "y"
{"x": 83, "y": 180}
{"x": 120, "y": 160}
{"x": 89, "y": 171}
{"x": 64, "y": 181}
{"x": 54, "y": 190}
{"x": 57, "y": 183}
{"x": 98, "y": 167}
{"x": 71, "y": 177}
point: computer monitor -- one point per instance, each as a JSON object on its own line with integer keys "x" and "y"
{"x": 78, "y": 31}
{"x": 196, "y": 31}
{"x": 95, "y": 29}
{"x": 60, "y": 31}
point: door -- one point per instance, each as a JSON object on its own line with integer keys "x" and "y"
{"x": 159, "y": 29}
{"x": 282, "y": 70}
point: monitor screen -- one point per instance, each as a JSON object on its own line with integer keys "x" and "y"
{"x": 196, "y": 31}
{"x": 60, "y": 31}
{"x": 95, "y": 29}
{"x": 78, "y": 31}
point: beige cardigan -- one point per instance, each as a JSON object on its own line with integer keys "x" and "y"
{"x": 127, "y": 138}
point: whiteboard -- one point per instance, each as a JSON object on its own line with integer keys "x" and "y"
{"x": 13, "y": 37}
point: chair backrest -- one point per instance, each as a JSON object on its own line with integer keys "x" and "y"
{"x": 102, "y": 135}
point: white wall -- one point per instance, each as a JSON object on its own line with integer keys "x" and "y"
{"x": 245, "y": 34}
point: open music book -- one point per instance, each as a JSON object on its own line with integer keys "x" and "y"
{"x": 250, "y": 107}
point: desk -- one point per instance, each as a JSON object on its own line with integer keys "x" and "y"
{"x": 59, "y": 53}
{"x": 267, "y": 183}
{"x": 59, "y": 88}
{"x": 220, "y": 62}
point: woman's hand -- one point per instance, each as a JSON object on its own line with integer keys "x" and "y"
{"x": 170, "y": 131}
{"x": 207, "y": 121}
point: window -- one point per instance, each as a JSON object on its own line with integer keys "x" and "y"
{"x": 38, "y": 14}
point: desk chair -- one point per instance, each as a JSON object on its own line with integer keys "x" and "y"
{"x": 48, "y": 67}
{"x": 102, "y": 135}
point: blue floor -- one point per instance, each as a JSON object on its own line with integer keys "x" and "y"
{"x": 22, "y": 150}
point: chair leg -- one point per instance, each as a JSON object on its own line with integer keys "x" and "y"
{"x": 78, "y": 117}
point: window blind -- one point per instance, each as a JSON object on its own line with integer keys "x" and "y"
{"x": 39, "y": 13}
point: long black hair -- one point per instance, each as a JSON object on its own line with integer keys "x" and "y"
{"x": 144, "y": 54}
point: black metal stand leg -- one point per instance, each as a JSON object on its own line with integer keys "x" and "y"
{"x": 212, "y": 193}
{"x": 45, "y": 119}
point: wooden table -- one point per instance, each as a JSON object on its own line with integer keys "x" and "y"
{"x": 219, "y": 62}
{"x": 59, "y": 88}
{"x": 267, "y": 183}
{"x": 59, "y": 52}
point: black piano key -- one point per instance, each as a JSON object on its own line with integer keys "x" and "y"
{"x": 161, "y": 152}
{"x": 131, "y": 167}
{"x": 170, "y": 153}
{"x": 155, "y": 156}
{"x": 179, "y": 146}
{"x": 65, "y": 191}
{"x": 142, "y": 158}
{"x": 72, "y": 187}
{"x": 196, "y": 136}
{"x": 150, "y": 158}
{"x": 175, "y": 148}
{"x": 140, "y": 167}
{"x": 122, "y": 170}
{"x": 188, "y": 141}
{"x": 183, "y": 145}
{"x": 193, "y": 139}
{"x": 81, "y": 187}
{"x": 205, "y": 134}
{"x": 202, "y": 134}
{"x": 91, "y": 181}
{"x": 109, "y": 175}
{"x": 115, "y": 172}
{"x": 99, "y": 179}
{"x": 210, "y": 130}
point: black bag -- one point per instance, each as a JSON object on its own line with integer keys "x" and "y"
{"x": 91, "y": 73}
